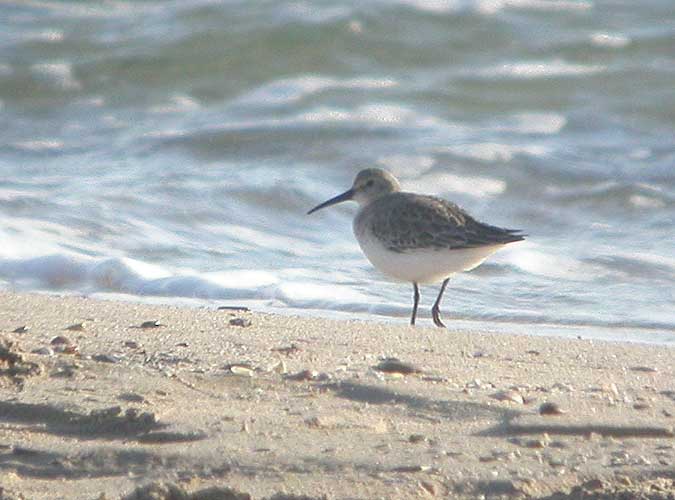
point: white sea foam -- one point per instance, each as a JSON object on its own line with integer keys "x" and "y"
{"x": 441, "y": 182}
{"x": 435, "y": 6}
{"x": 290, "y": 90}
{"x": 59, "y": 74}
{"x": 49, "y": 36}
{"x": 494, "y": 6}
{"x": 640, "y": 153}
{"x": 124, "y": 275}
{"x": 177, "y": 104}
{"x": 380, "y": 115}
{"x": 374, "y": 114}
{"x": 537, "y": 123}
{"x": 129, "y": 276}
{"x": 165, "y": 134}
{"x": 543, "y": 69}
{"x": 314, "y": 12}
{"x": 645, "y": 202}
{"x": 496, "y": 152}
{"x": 35, "y": 256}
{"x": 407, "y": 165}
{"x": 534, "y": 259}
{"x": 244, "y": 278}
{"x": 90, "y": 9}
{"x": 383, "y": 114}
{"x": 39, "y": 145}
{"x": 9, "y": 194}
{"x": 324, "y": 115}
{"x": 24, "y": 238}
{"x": 610, "y": 40}
{"x": 311, "y": 294}
{"x": 491, "y": 7}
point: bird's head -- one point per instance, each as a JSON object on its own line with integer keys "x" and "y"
{"x": 369, "y": 185}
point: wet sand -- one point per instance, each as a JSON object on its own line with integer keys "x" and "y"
{"x": 98, "y": 398}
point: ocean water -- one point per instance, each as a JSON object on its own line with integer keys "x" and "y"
{"x": 168, "y": 150}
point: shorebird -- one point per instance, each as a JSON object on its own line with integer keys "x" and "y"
{"x": 417, "y": 238}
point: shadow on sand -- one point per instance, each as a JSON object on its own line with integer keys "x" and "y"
{"x": 420, "y": 405}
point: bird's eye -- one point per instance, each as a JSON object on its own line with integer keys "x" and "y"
{"x": 370, "y": 183}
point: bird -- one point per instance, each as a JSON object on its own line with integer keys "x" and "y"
{"x": 417, "y": 238}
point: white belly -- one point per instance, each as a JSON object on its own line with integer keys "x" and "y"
{"x": 426, "y": 265}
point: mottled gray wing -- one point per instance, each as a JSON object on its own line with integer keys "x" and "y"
{"x": 407, "y": 221}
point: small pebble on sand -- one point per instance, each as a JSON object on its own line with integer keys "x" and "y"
{"x": 416, "y": 438}
{"x": 394, "y": 365}
{"x": 242, "y": 322}
{"x": 242, "y": 371}
{"x": 647, "y": 369}
{"x": 106, "y": 358}
{"x": 306, "y": 375}
{"x": 43, "y": 351}
{"x": 150, "y": 324}
{"x": 511, "y": 396}
{"x": 551, "y": 409}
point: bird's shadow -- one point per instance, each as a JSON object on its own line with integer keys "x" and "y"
{"x": 421, "y": 405}
{"x": 506, "y": 425}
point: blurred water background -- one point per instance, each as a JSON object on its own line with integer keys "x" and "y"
{"x": 171, "y": 149}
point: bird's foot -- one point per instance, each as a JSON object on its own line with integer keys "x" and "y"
{"x": 436, "y": 315}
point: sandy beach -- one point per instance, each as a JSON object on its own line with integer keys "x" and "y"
{"x": 100, "y": 399}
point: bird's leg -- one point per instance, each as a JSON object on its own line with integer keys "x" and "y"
{"x": 416, "y": 299}
{"x": 436, "y": 310}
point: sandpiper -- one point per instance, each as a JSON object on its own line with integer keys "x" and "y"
{"x": 417, "y": 238}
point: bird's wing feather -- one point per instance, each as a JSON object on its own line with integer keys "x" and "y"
{"x": 406, "y": 221}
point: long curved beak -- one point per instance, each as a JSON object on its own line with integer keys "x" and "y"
{"x": 346, "y": 196}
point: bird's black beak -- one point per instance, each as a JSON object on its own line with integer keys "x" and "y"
{"x": 346, "y": 196}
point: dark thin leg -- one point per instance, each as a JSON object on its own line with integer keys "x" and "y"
{"x": 416, "y": 298}
{"x": 436, "y": 310}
